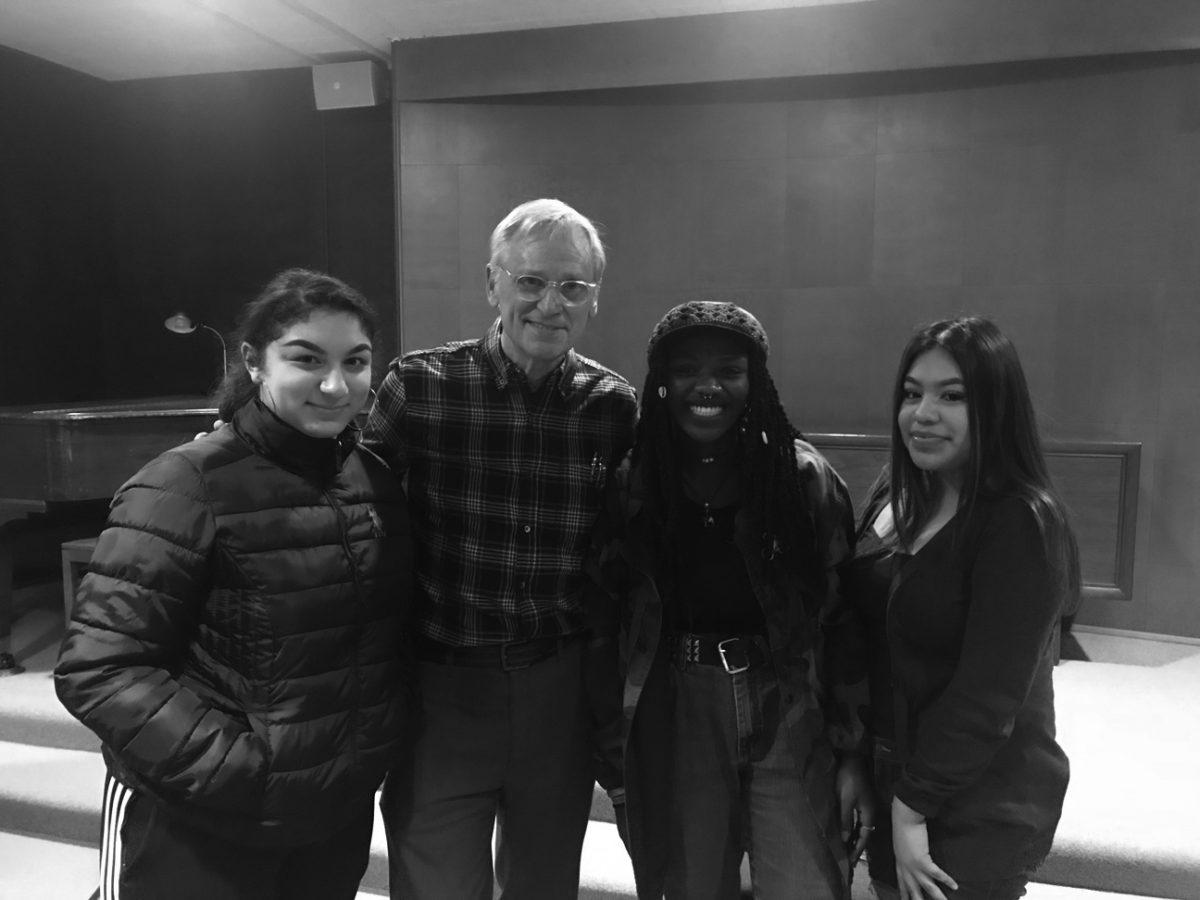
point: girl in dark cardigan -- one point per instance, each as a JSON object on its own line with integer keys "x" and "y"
{"x": 965, "y": 563}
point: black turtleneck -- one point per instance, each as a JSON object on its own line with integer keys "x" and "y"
{"x": 317, "y": 459}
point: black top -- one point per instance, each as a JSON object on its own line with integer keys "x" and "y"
{"x": 971, "y": 620}
{"x": 713, "y": 593}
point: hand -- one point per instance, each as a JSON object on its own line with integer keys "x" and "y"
{"x": 218, "y": 424}
{"x": 916, "y": 872}
{"x": 856, "y": 801}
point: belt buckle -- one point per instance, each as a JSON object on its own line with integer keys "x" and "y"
{"x": 732, "y": 669}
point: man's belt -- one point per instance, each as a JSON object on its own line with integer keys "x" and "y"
{"x": 507, "y": 656}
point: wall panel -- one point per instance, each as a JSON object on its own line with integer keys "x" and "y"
{"x": 1014, "y": 195}
{"x": 830, "y": 225}
{"x": 219, "y": 182}
{"x": 128, "y": 201}
{"x": 55, "y": 250}
{"x": 1061, "y": 201}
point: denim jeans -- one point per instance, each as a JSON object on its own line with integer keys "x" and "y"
{"x": 736, "y": 788}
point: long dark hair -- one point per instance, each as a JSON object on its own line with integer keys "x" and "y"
{"x": 1005, "y": 454}
{"x": 766, "y": 457}
{"x": 291, "y": 296}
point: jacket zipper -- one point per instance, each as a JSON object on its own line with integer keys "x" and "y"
{"x": 348, "y": 550}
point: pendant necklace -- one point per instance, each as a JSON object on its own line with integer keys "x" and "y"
{"x": 707, "y": 519}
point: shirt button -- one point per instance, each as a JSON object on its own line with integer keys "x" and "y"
{"x": 528, "y": 529}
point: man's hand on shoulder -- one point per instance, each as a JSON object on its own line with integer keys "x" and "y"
{"x": 218, "y": 424}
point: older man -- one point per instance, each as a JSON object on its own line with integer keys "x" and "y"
{"x": 504, "y": 444}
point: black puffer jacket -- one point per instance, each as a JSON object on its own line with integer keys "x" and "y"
{"x": 236, "y": 644}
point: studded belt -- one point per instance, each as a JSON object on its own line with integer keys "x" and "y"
{"x": 733, "y": 654}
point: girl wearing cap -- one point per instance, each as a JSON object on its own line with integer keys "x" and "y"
{"x": 964, "y": 565}
{"x": 730, "y": 724}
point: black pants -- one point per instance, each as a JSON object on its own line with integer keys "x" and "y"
{"x": 147, "y": 855}
{"x": 881, "y": 859}
{"x": 494, "y": 751}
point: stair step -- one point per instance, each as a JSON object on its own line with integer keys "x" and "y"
{"x": 1113, "y": 835}
{"x": 55, "y": 794}
{"x": 32, "y": 715}
{"x": 50, "y": 806}
{"x": 35, "y": 867}
{"x": 50, "y": 791}
{"x": 40, "y": 868}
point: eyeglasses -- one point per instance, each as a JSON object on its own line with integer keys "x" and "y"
{"x": 532, "y": 288}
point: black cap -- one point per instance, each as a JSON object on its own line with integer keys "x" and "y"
{"x": 709, "y": 314}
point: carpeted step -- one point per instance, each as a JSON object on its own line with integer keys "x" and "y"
{"x": 29, "y": 709}
{"x": 52, "y": 792}
{"x": 31, "y": 714}
{"x": 1130, "y": 724}
{"x": 39, "y": 868}
{"x": 1131, "y": 731}
{"x": 34, "y": 867}
{"x": 53, "y": 797}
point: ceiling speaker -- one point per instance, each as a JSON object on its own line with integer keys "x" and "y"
{"x": 342, "y": 85}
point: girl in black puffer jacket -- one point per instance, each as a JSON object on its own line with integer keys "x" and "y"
{"x": 236, "y": 644}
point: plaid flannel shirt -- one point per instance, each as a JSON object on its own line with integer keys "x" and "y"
{"x": 504, "y": 484}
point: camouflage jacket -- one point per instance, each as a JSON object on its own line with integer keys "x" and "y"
{"x": 815, "y": 641}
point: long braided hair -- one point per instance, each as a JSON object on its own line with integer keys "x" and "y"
{"x": 766, "y": 459}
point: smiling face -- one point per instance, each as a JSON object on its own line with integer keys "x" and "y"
{"x": 708, "y": 383}
{"x": 536, "y": 336}
{"x": 934, "y": 418}
{"x": 316, "y": 376}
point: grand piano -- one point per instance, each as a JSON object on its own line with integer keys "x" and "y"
{"x": 58, "y": 463}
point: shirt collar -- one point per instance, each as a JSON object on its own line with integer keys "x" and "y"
{"x": 506, "y": 372}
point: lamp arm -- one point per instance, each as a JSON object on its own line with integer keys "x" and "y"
{"x": 224, "y": 353}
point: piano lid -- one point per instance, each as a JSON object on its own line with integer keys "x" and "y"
{"x": 142, "y": 407}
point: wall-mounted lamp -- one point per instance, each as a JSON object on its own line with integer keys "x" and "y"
{"x": 181, "y": 323}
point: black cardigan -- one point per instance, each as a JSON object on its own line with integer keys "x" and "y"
{"x": 971, "y": 623}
